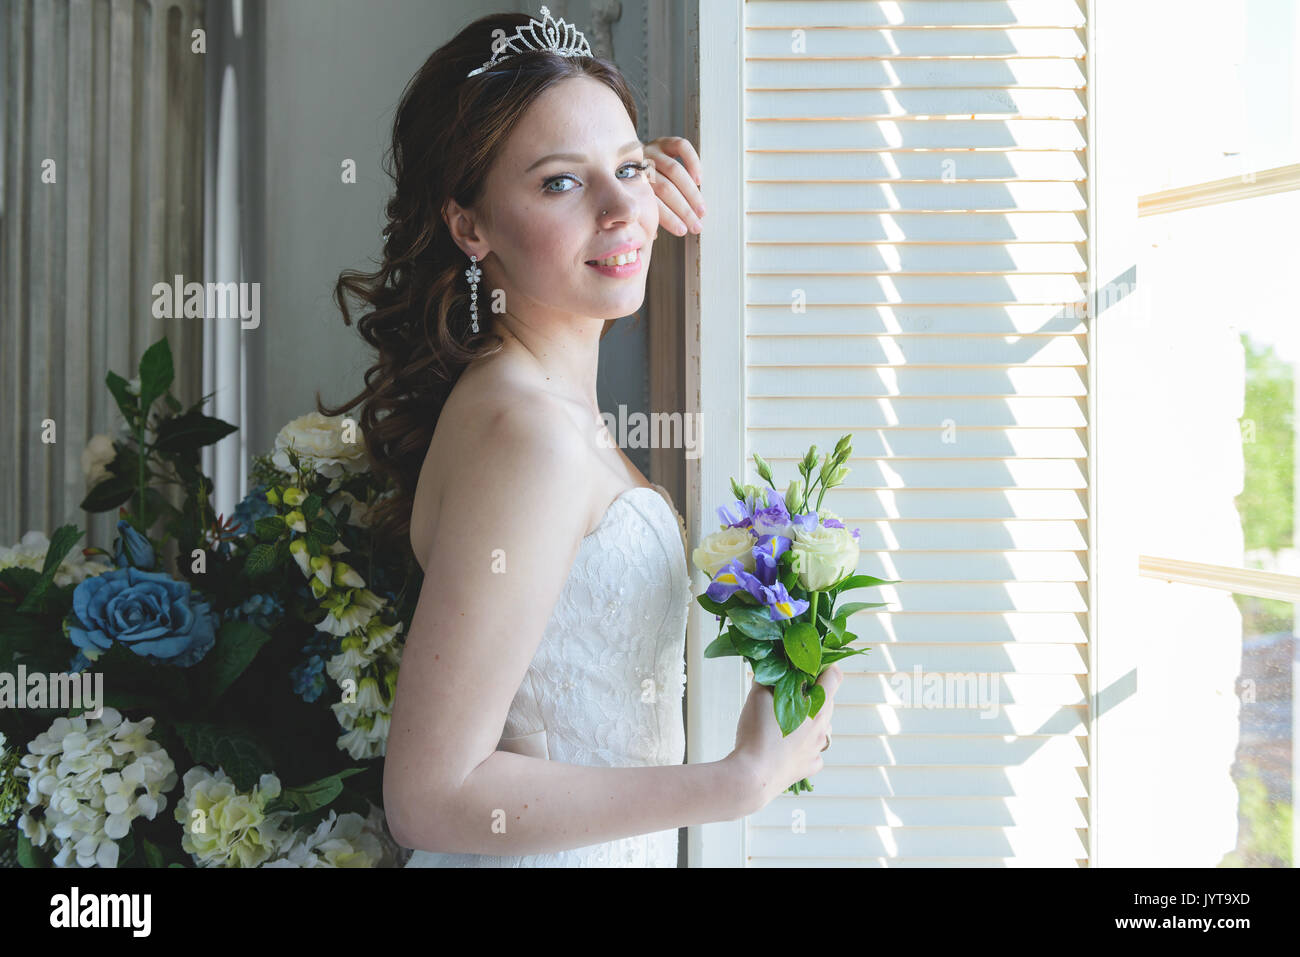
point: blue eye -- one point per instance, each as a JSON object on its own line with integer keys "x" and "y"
{"x": 637, "y": 167}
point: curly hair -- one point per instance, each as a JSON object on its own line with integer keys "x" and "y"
{"x": 447, "y": 131}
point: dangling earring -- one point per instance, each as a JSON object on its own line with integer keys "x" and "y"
{"x": 473, "y": 273}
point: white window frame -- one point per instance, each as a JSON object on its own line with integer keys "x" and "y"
{"x": 715, "y": 692}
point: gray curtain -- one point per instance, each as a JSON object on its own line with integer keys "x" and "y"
{"x": 106, "y": 98}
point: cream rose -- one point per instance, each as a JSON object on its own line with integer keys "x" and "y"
{"x": 320, "y": 438}
{"x": 721, "y": 547}
{"x": 823, "y": 556}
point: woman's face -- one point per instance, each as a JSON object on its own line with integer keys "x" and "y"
{"x": 545, "y": 217}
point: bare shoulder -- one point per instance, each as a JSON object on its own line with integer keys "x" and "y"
{"x": 502, "y": 445}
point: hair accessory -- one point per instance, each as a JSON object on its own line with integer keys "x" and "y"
{"x": 473, "y": 274}
{"x": 558, "y": 37}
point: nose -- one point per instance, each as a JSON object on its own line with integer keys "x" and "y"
{"x": 618, "y": 206}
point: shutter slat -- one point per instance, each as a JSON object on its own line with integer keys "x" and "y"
{"x": 915, "y": 259}
{"x": 789, "y": 73}
{"x": 889, "y": 44}
{"x": 968, "y": 101}
{"x": 917, "y": 13}
{"x": 1013, "y": 719}
{"x": 839, "y": 812}
{"x": 908, "y": 841}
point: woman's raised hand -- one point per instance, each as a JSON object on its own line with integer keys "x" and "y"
{"x": 677, "y": 184}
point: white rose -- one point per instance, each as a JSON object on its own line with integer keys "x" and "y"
{"x": 74, "y": 569}
{"x": 320, "y": 438}
{"x": 823, "y": 556}
{"x": 95, "y": 458}
{"x": 721, "y": 547}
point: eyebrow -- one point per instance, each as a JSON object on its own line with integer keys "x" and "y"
{"x": 579, "y": 158}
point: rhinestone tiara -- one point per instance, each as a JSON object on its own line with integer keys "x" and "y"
{"x": 547, "y": 34}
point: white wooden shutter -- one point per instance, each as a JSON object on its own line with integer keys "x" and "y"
{"x": 916, "y": 172}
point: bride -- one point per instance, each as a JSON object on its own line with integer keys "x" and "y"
{"x": 537, "y": 718}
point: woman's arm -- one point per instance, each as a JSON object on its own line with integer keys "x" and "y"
{"x": 514, "y": 804}
{"x": 513, "y": 512}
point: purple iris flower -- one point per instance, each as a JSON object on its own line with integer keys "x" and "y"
{"x": 780, "y": 605}
{"x": 767, "y": 554}
{"x": 836, "y": 523}
{"x": 732, "y": 577}
{"x": 739, "y": 516}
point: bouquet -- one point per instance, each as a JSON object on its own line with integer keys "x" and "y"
{"x": 776, "y": 568}
{"x": 246, "y": 691}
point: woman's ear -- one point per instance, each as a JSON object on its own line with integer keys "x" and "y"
{"x": 464, "y": 232}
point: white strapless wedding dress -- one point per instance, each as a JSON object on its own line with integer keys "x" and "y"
{"x": 605, "y": 686}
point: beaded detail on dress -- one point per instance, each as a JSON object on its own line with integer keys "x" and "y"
{"x": 605, "y": 686}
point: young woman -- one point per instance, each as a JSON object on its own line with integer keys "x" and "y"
{"x": 537, "y": 717}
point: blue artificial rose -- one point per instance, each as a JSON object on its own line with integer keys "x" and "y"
{"x": 132, "y": 548}
{"x": 153, "y": 615}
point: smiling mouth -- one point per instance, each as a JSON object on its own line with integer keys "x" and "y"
{"x": 629, "y": 257}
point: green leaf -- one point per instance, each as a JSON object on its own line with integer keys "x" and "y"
{"x": 108, "y": 494}
{"x": 152, "y": 856}
{"x": 235, "y": 752}
{"x": 61, "y": 543}
{"x": 721, "y": 647}
{"x": 751, "y": 647}
{"x": 831, "y": 657}
{"x": 754, "y": 622}
{"x": 856, "y": 606}
{"x": 270, "y": 527}
{"x": 156, "y": 373}
{"x": 862, "y": 581}
{"x": 318, "y": 794}
{"x": 238, "y": 643}
{"x": 322, "y": 533}
{"x": 719, "y": 608}
{"x": 790, "y": 702}
{"x": 260, "y": 560}
{"x": 30, "y": 856}
{"x": 310, "y": 506}
{"x": 817, "y": 698}
{"x": 834, "y": 631}
{"x": 191, "y": 432}
{"x": 770, "y": 670}
{"x": 803, "y": 647}
{"x": 126, "y": 402}
{"x": 125, "y": 849}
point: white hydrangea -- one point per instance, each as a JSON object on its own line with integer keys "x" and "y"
{"x": 225, "y": 827}
{"x": 73, "y": 570}
{"x": 87, "y": 780}
{"x": 338, "y": 841}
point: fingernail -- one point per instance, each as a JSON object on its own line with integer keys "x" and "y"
{"x": 700, "y": 209}
{"x": 695, "y": 226}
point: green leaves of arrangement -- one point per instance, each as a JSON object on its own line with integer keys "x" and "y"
{"x": 165, "y": 449}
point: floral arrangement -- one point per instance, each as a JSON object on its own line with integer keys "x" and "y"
{"x": 267, "y": 655}
{"x": 776, "y": 568}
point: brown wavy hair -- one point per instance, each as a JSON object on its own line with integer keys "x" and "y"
{"x": 447, "y": 131}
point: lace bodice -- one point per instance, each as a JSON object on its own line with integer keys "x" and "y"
{"x": 606, "y": 683}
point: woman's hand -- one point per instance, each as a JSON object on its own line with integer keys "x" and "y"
{"x": 771, "y": 761}
{"x": 677, "y": 185}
